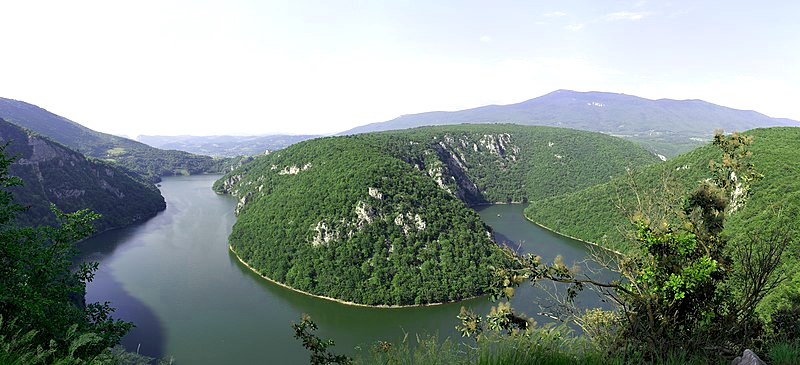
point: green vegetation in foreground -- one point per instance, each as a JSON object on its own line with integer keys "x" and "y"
{"x": 592, "y": 214}
{"x": 44, "y": 318}
{"x": 57, "y": 175}
{"x": 546, "y": 345}
{"x": 151, "y": 163}
{"x": 378, "y": 219}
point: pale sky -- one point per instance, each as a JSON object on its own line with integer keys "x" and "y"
{"x": 299, "y": 66}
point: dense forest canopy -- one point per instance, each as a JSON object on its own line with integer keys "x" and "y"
{"x": 381, "y": 218}
{"x": 594, "y": 213}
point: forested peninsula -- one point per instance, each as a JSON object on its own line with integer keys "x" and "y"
{"x": 383, "y": 218}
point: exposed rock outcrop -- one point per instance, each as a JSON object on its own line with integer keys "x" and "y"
{"x": 748, "y": 358}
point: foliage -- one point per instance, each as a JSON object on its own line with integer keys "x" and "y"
{"x": 593, "y": 214}
{"x": 548, "y": 345}
{"x": 504, "y": 163}
{"x": 320, "y": 354}
{"x": 371, "y": 230}
{"x": 56, "y": 175}
{"x": 381, "y": 219}
{"x": 39, "y": 293}
{"x": 20, "y": 348}
{"x": 785, "y": 352}
{"x": 682, "y": 287}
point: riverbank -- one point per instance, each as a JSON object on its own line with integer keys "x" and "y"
{"x": 593, "y": 244}
{"x": 571, "y": 237}
{"x": 340, "y": 301}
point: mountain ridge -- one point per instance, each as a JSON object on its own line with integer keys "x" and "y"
{"x": 665, "y": 126}
{"x": 224, "y": 145}
{"x": 136, "y": 156}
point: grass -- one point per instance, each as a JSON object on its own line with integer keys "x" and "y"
{"x": 784, "y": 353}
{"x": 117, "y": 151}
{"x": 543, "y": 346}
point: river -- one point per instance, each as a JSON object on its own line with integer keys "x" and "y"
{"x": 190, "y": 299}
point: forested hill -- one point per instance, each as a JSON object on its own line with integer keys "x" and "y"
{"x": 52, "y": 173}
{"x": 380, "y": 218}
{"x": 139, "y": 157}
{"x": 667, "y": 127}
{"x": 592, "y": 214}
{"x": 226, "y": 146}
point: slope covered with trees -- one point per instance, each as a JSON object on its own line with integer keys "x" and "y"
{"x": 136, "y": 156}
{"x": 667, "y": 127}
{"x": 341, "y": 219}
{"x": 54, "y": 174}
{"x": 594, "y": 214}
{"x": 381, "y": 218}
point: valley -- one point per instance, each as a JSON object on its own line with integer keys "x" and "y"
{"x": 191, "y": 298}
{"x": 376, "y": 235}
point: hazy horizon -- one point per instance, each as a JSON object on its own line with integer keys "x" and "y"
{"x": 308, "y": 67}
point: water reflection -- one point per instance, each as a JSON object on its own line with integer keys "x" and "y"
{"x": 147, "y": 337}
{"x": 193, "y": 300}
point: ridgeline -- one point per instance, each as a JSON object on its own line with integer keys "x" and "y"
{"x": 150, "y": 162}
{"x": 52, "y": 173}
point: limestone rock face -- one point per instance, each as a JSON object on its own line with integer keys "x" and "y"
{"x": 748, "y": 358}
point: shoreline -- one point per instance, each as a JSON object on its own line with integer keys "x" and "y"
{"x": 340, "y": 301}
{"x": 570, "y": 237}
{"x": 593, "y": 244}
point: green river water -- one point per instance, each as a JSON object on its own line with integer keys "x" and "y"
{"x": 192, "y": 300}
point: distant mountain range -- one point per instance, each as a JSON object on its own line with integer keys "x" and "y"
{"x": 225, "y": 146}
{"x": 139, "y": 157}
{"x": 53, "y": 173}
{"x": 667, "y": 127}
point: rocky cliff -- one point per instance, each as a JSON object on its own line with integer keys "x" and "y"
{"x": 52, "y": 173}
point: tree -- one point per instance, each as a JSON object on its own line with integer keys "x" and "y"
{"x": 688, "y": 287}
{"x": 318, "y": 347}
{"x": 41, "y": 296}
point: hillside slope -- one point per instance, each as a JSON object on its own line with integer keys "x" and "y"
{"x": 381, "y": 218}
{"x": 592, "y": 214}
{"x": 136, "y": 156}
{"x": 52, "y": 173}
{"x": 667, "y": 127}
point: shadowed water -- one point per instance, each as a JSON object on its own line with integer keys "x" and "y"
{"x": 192, "y": 300}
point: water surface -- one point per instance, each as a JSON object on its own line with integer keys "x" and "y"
{"x": 192, "y": 300}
